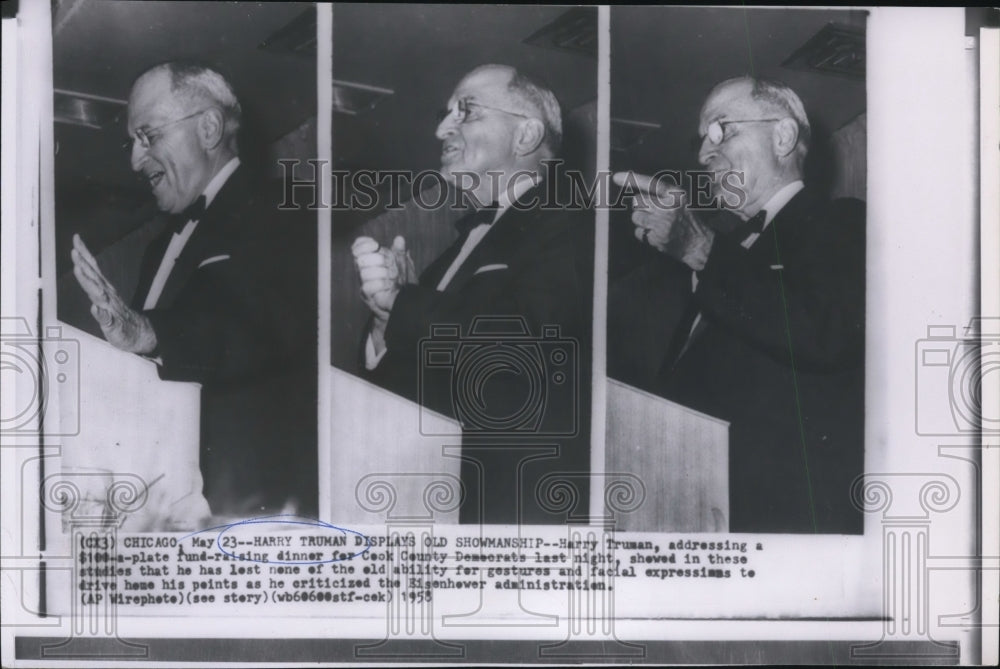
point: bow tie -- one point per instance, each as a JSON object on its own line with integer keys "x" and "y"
{"x": 193, "y": 212}
{"x": 195, "y": 209}
{"x": 756, "y": 222}
{"x": 482, "y": 216}
{"x": 753, "y": 226}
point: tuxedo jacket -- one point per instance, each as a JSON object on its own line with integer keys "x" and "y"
{"x": 238, "y": 315}
{"x": 529, "y": 285}
{"x": 780, "y": 356}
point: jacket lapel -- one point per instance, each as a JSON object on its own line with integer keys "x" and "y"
{"x": 784, "y": 231}
{"x": 503, "y": 244}
{"x": 779, "y": 237}
{"x": 497, "y": 247}
{"x": 214, "y": 235}
{"x": 433, "y": 273}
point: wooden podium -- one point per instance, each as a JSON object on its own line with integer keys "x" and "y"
{"x": 390, "y": 460}
{"x": 129, "y": 437}
{"x": 681, "y": 456}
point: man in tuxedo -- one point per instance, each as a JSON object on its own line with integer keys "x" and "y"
{"x": 226, "y": 295}
{"x": 519, "y": 386}
{"x": 770, "y": 336}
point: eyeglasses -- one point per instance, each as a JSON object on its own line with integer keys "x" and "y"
{"x": 148, "y": 137}
{"x": 464, "y": 107}
{"x": 717, "y": 131}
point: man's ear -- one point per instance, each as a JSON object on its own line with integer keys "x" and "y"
{"x": 211, "y": 128}
{"x": 530, "y": 135}
{"x": 785, "y": 137}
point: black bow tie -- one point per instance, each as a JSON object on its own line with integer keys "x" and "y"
{"x": 195, "y": 209}
{"x": 756, "y": 223}
{"x": 753, "y": 226}
{"x": 486, "y": 215}
{"x": 193, "y": 212}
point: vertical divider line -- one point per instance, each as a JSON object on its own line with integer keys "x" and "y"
{"x": 36, "y": 253}
{"x": 52, "y": 398}
{"x": 989, "y": 308}
{"x": 324, "y": 140}
{"x": 599, "y": 379}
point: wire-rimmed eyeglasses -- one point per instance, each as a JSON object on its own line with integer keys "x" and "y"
{"x": 463, "y": 108}
{"x": 148, "y": 137}
{"x": 716, "y": 131}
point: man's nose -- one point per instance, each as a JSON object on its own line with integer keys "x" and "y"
{"x": 706, "y": 150}
{"x": 137, "y": 155}
{"x": 446, "y": 127}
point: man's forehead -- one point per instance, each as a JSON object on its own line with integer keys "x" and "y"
{"x": 729, "y": 101}
{"x": 485, "y": 83}
{"x": 151, "y": 97}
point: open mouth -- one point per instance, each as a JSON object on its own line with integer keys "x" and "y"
{"x": 154, "y": 179}
{"x": 449, "y": 151}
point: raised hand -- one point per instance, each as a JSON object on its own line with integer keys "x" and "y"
{"x": 123, "y": 327}
{"x": 663, "y": 220}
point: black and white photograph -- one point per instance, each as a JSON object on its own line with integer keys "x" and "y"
{"x": 405, "y": 333}
{"x": 189, "y": 292}
{"x": 462, "y": 270}
{"x": 754, "y": 336}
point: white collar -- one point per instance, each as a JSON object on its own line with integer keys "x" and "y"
{"x": 521, "y": 185}
{"x": 219, "y": 180}
{"x": 780, "y": 199}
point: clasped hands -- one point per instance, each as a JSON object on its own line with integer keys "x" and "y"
{"x": 123, "y": 327}
{"x": 663, "y": 220}
{"x": 383, "y": 272}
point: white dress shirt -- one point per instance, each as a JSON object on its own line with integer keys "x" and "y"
{"x": 476, "y": 235}
{"x": 180, "y": 239}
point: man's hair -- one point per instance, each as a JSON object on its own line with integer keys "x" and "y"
{"x": 532, "y": 94}
{"x": 543, "y": 101}
{"x": 200, "y": 85}
{"x": 777, "y": 94}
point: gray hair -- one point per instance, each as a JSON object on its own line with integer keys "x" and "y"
{"x": 543, "y": 101}
{"x": 777, "y": 94}
{"x": 536, "y": 97}
{"x": 196, "y": 84}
